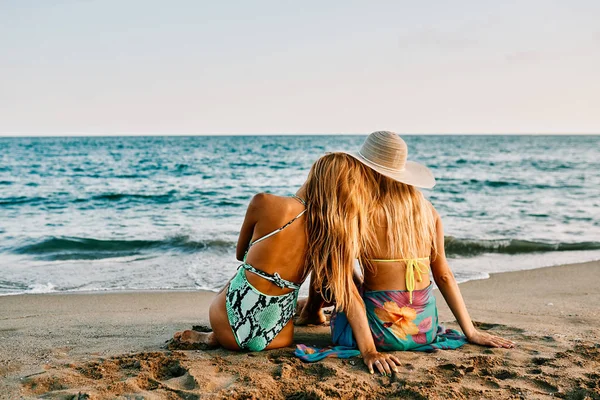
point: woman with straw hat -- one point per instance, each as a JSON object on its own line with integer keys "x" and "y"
{"x": 401, "y": 239}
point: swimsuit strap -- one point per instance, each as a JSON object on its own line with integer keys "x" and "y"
{"x": 413, "y": 266}
{"x": 275, "y": 278}
{"x": 399, "y": 259}
{"x": 276, "y": 231}
{"x": 279, "y": 229}
{"x": 300, "y": 199}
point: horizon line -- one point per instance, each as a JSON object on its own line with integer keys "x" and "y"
{"x": 73, "y": 134}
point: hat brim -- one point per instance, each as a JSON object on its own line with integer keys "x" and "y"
{"x": 414, "y": 174}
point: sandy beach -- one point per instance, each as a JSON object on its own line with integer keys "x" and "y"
{"x": 112, "y": 345}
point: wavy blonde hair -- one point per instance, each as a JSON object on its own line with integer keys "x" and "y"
{"x": 346, "y": 202}
{"x": 336, "y": 217}
{"x": 408, "y": 217}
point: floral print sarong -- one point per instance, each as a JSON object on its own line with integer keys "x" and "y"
{"x": 398, "y": 324}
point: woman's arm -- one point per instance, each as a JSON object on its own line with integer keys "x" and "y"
{"x": 444, "y": 279}
{"x": 357, "y": 318}
{"x": 247, "y": 229}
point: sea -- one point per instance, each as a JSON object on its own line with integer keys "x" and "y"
{"x": 163, "y": 213}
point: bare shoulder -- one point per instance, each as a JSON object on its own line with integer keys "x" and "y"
{"x": 266, "y": 202}
{"x": 260, "y": 199}
{"x": 259, "y": 202}
{"x": 266, "y": 199}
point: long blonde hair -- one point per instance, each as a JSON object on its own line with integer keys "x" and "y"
{"x": 335, "y": 219}
{"x": 346, "y": 201}
{"x": 408, "y": 217}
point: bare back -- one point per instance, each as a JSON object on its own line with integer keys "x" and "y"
{"x": 391, "y": 275}
{"x": 282, "y": 253}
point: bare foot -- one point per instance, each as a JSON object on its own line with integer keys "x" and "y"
{"x": 195, "y": 339}
{"x": 308, "y": 317}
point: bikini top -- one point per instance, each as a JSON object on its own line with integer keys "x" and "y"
{"x": 275, "y": 278}
{"x": 413, "y": 267}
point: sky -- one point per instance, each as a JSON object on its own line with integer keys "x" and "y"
{"x": 274, "y": 67}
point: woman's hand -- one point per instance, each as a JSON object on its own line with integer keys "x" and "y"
{"x": 385, "y": 363}
{"x": 485, "y": 339}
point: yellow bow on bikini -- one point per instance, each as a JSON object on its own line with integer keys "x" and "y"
{"x": 413, "y": 266}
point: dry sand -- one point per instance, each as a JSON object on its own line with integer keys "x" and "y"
{"x": 112, "y": 345}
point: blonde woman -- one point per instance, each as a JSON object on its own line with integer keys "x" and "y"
{"x": 402, "y": 239}
{"x": 254, "y": 311}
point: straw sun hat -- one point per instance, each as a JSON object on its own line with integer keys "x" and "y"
{"x": 386, "y": 153}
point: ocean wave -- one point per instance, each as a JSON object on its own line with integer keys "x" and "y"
{"x": 212, "y": 198}
{"x": 158, "y": 198}
{"x": 11, "y": 286}
{"x": 492, "y": 183}
{"x": 74, "y": 248}
{"x": 14, "y": 200}
{"x": 468, "y": 247}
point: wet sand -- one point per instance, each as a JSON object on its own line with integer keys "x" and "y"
{"x": 112, "y": 345}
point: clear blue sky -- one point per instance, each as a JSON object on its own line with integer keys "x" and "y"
{"x": 227, "y": 67}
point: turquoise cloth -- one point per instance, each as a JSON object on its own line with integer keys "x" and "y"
{"x": 397, "y": 324}
{"x": 312, "y": 354}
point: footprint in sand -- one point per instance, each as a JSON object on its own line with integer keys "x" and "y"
{"x": 545, "y": 385}
{"x": 541, "y": 361}
{"x": 486, "y": 326}
{"x": 148, "y": 374}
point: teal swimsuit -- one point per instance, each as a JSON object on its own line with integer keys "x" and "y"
{"x": 256, "y": 318}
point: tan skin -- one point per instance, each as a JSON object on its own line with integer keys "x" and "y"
{"x": 391, "y": 276}
{"x": 283, "y": 253}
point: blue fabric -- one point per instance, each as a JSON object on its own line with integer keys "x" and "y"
{"x": 312, "y": 354}
{"x": 398, "y": 324}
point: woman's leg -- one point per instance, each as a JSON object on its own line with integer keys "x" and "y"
{"x": 219, "y": 322}
{"x": 222, "y": 335}
{"x": 284, "y": 338}
{"x": 193, "y": 337}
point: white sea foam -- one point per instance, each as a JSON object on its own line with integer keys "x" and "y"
{"x": 41, "y": 288}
